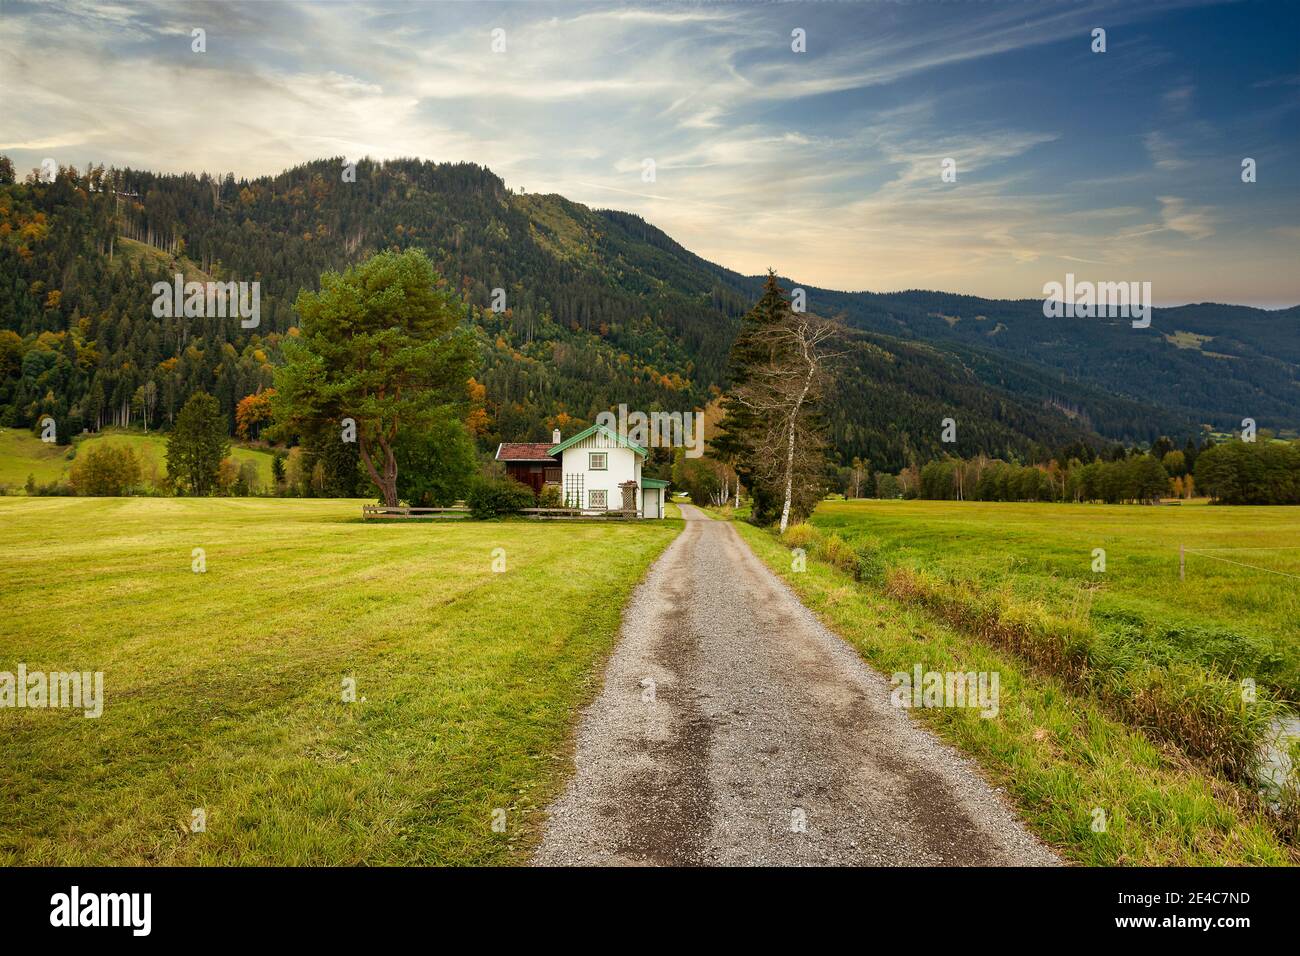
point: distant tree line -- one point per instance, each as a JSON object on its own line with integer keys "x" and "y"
{"x": 1265, "y": 472}
{"x": 1251, "y": 473}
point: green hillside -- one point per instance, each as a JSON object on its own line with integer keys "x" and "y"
{"x": 601, "y": 308}
{"x": 23, "y": 454}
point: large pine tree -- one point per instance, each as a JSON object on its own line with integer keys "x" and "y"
{"x": 381, "y": 348}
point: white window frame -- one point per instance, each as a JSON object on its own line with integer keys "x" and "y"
{"x": 597, "y": 498}
{"x": 604, "y": 461}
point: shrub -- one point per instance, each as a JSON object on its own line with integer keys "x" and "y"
{"x": 835, "y": 551}
{"x": 109, "y": 470}
{"x": 435, "y": 466}
{"x": 495, "y": 497}
{"x": 871, "y": 564}
{"x": 800, "y": 536}
{"x": 55, "y": 489}
{"x": 227, "y": 475}
{"x": 551, "y": 497}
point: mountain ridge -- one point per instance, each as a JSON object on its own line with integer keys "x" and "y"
{"x": 603, "y": 307}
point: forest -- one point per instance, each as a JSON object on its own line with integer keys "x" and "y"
{"x": 595, "y": 308}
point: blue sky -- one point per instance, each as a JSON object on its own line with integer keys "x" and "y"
{"x": 1123, "y": 165}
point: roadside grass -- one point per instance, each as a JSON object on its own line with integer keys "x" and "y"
{"x": 223, "y": 690}
{"x": 1060, "y": 757}
{"x": 23, "y": 454}
{"x": 1009, "y": 575}
{"x": 1239, "y": 621}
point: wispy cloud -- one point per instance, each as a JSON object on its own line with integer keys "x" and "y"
{"x": 825, "y": 164}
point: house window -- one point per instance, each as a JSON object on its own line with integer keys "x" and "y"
{"x": 597, "y": 461}
{"x": 552, "y": 476}
{"x": 598, "y": 499}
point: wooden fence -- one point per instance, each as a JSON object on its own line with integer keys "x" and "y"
{"x": 380, "y": 511}
{"x": 461, "y": 511}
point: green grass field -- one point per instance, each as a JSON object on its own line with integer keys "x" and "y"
{"x": 1060, "y": 757}
{"x": 224, "y": 690}
{"x": 23, "y": 454}
{"x": 1241, "y": 620}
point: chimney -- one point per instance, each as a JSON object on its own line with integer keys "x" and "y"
{"x": 555, "y": 437}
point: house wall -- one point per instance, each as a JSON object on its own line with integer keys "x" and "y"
{"x": 532, "y": 474}
{"x": 624, "y": 465}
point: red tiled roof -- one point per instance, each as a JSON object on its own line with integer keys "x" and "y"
{"x": 524, "y": 451}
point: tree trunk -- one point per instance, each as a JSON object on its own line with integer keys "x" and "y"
{"x": 789, "y": 451}
{"x": 387, "y": 482}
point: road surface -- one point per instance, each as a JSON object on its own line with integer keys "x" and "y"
{"x": 734, "y": 729}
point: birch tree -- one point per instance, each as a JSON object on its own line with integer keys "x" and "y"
{"x": 782, "y": 362}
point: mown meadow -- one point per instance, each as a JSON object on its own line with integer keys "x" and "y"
{"x": 224, "y": 690}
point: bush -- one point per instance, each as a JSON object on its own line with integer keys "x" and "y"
{"x": 871, "y": 564}
{"x": 551, "y": 497}
{"x": 107, "y": 471}
{"x": 55, "y": 489}
{"x": 835, "y": 551}
{"x": 495, "y": 497}
{"x": 436, "y": 465}
{"x": 800, "y": 536}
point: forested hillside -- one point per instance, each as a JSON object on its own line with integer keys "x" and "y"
{"x": 601, "y": 308}
{"x": 1213, "y": 364}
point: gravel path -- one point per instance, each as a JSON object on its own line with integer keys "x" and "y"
{"x": 764, "y": 739}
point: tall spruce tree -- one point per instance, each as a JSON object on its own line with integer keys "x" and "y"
{"x": 740, "y": 425}
{"x": 197, "y": 445}
{"x": 771, "y": 432}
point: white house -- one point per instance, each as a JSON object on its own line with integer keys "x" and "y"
{"x": 597, "y": 470}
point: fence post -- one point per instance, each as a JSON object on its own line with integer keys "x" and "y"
{"x": 1182, "y": 563}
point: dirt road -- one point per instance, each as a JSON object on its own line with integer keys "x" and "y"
{"x": 734, "y": 729}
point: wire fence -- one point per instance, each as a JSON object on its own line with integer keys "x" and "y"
{"x": 1183, "y": 550}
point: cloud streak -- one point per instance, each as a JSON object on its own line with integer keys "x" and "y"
{"x": 824, "y": 165}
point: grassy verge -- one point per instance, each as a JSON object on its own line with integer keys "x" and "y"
{"x": 223, "y": 690}
{"x": 1097, "y": 789}
{"x": 1206, "y": 662}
